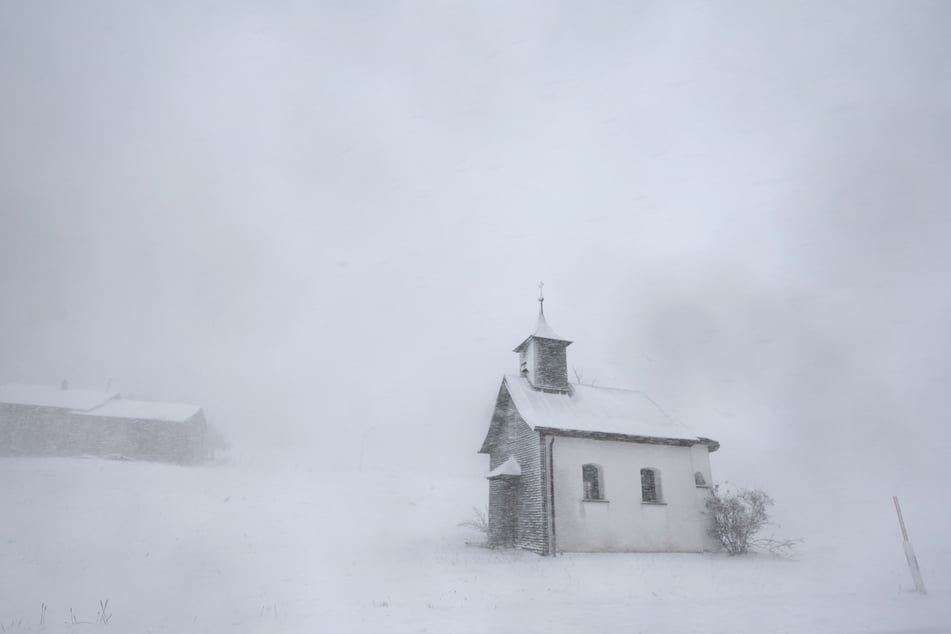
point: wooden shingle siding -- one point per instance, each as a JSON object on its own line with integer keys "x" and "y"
{"x": 36, "y": 431}
{"x": 513, "y": 437}
{"x": 141, "y": 439}
{"x": 27, "y": 430}
{"x": 551, "y": 364}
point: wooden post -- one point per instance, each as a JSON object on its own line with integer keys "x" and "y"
{"x": 909, "y": 551}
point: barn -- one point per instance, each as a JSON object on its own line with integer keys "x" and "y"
{"x": 37, "y": 420}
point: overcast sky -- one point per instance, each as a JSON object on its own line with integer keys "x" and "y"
{"x": 325, "y": 222}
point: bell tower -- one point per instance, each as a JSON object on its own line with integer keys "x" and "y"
{"x": 542, "y": 357}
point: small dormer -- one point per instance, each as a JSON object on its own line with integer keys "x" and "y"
{"x": 542, "y": 357}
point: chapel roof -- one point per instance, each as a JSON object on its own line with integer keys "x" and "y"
{"x": 542, "y": 331}
{"x": 589, "y": 409}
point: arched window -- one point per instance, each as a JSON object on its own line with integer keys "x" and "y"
{"x": 650, "y": 486}
{"x": 591, "y": 476}
{"x": 699, "y": 480}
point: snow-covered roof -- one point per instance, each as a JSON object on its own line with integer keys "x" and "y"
{"x": 594, "y": 409}
{"x": 542, "y": 331}
{"x": 510, "y": 467}
{"x": 145, "y": 410}
{"x": 46, "y": 396}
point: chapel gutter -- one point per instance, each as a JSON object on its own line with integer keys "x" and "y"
{"x": 551, "y": 497}
{"x": 712, "y": 445}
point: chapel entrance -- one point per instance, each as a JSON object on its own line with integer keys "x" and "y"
{"x": 503, "y": 510}
{"x": 508, "y": 524}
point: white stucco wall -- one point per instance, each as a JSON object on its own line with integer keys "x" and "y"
{"x": 623, "y": 522}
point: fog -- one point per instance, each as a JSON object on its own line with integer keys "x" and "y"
{"x": 325, "y": 222}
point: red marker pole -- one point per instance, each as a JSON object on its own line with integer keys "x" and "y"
{"x": 909, "y": 551}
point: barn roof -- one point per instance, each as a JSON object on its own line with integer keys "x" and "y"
{"x": 46, "y": 396}
{"x": 144, "y": 410}
{"x": 590, "y": 409}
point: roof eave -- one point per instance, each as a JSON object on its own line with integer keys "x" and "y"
{"x": 712, "y": 445}
{"x": 636, "y": 438}
{"x": 487, "y": 441}
{"x": 522, "y": 345}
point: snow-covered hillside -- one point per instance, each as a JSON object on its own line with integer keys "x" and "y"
{"x": 253, "y": 547}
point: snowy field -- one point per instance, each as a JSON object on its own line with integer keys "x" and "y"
{"x": 247, "y": 546}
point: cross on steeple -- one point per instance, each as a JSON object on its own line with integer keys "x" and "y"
{"x": 541, "y": 298}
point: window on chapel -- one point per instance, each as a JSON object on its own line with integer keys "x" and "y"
{"x": 591, "y": 476}
{"x": 650, "y": 486}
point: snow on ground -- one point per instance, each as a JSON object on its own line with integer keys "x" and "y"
{"x": 252, "y": 547}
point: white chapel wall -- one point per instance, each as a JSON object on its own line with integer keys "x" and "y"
{"x": 623, "y": 522}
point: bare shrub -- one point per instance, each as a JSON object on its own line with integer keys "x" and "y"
{"x": 737, "y": 516}
{"x": 579, "y": 377}
{"x": 478, "y": 521}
